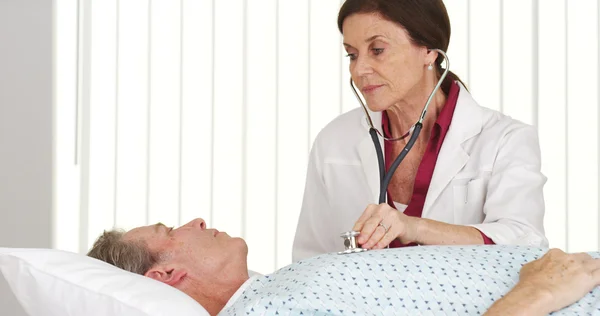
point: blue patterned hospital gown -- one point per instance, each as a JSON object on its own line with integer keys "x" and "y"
{"x": 426, "y": 280}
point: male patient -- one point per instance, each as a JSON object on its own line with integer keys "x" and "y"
{"x": 210, "y": 266}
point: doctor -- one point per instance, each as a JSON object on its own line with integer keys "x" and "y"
{"x": 473, "y": 175}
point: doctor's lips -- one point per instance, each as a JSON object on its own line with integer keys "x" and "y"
{"x": 370, "y": 88}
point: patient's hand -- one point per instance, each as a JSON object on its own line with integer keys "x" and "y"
{"x": 566, "y": 277}
{"x": 550, "y": 283}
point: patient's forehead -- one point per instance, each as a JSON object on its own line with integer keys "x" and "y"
{"x": 145, "y": 233}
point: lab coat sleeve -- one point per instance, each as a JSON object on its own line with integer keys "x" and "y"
{"x": 514, "y": 206}
{"x": 314, "y": 207}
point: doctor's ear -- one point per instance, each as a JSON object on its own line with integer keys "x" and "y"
{"x": 431, "y": 56}
{"x": 168, "y": 275}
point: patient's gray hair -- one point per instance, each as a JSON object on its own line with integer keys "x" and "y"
{"x": 133, "y": 256}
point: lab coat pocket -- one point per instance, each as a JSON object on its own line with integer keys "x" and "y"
{"x": 469, "y": 198}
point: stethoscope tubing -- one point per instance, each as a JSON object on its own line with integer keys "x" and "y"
{"x": 386, "y": 178}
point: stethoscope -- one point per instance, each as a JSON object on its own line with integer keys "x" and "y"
{"x": 349, "y": 237}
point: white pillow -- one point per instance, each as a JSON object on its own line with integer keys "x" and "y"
{"x": 51, "y": 282}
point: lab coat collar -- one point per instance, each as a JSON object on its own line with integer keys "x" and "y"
{"x": 467, "y": 121}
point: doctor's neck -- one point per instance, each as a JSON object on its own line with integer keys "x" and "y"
{"x": 404, "y": 113}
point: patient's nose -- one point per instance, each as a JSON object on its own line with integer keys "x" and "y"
{"x": 197, "y": 223}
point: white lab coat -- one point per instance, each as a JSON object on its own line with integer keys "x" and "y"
{"x": 487, "y": 176}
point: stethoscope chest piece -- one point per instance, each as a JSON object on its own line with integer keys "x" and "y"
{"x": 350, "y": 243}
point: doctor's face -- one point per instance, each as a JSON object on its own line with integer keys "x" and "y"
{"x": 191, "y": 247}
{"x": 384, "y": 63}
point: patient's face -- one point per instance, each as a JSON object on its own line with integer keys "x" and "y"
{"x": 192, "y": 247}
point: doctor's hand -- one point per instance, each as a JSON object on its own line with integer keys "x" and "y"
{"x": 380, "y": 224}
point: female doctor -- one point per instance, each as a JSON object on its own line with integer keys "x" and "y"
{"x": 473, "y": 174}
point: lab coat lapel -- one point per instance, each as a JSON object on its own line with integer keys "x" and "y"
{"x": 368, "y": 156}
{"x": 466, "y": 123}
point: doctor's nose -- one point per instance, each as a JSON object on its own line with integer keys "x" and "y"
{"x": 196, "y": 223}
{"x": 361, "y": 67}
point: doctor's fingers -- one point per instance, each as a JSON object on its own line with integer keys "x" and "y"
{"x": 380, "y": 226}
{"x": 376, "y": 237}
{"x": 387, "y": 238}
{"x": 368, "y": 212}
{"x": 369, "y": 228}
{"x": 392, "y": 227}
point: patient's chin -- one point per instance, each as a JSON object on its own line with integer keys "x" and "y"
{"x": 241, "y": 243}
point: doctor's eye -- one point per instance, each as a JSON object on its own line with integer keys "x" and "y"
{"x": 351, "y": 56}
{"x": 377, "y": 51}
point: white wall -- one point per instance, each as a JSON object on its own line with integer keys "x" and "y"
{"x": 25, "y": 129}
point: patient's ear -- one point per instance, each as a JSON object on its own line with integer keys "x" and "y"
{"x": 169, "y": 275}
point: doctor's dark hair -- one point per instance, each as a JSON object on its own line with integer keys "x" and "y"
{"x": 426, "y": 22}
{"x": 132, "y": 256}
